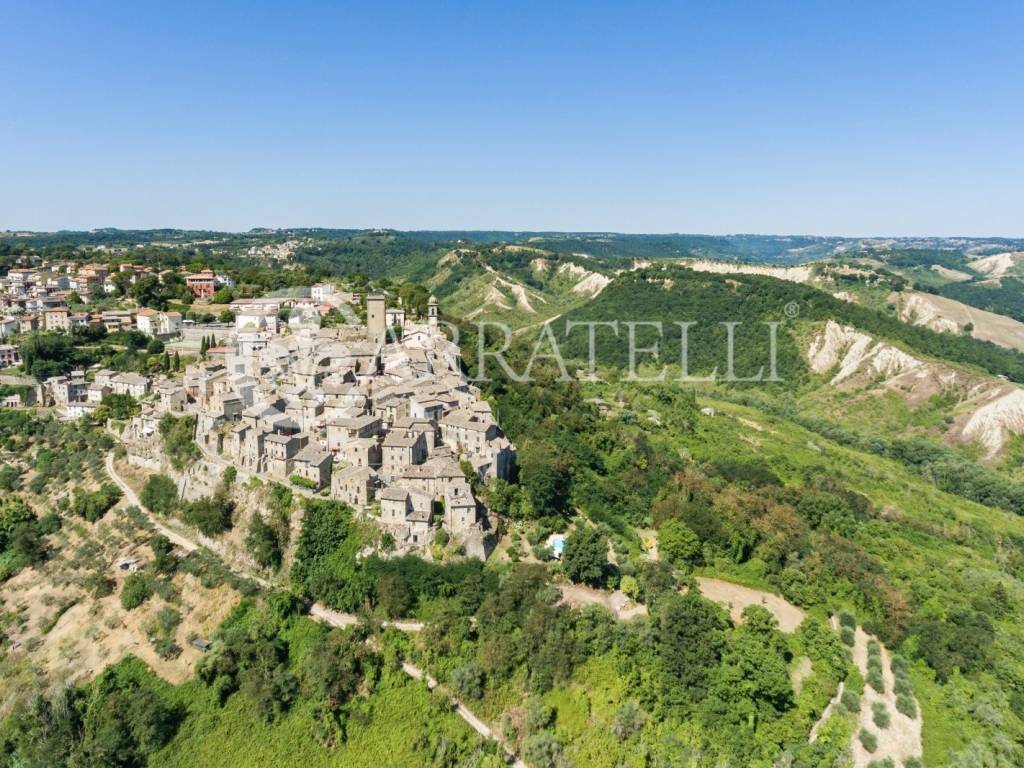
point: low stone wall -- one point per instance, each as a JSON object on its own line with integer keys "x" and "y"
{"x": 146, "y": 462}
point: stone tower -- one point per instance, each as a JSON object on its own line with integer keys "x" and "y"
{"x": 432, "y": 312}
{"x": 375, "y": 328}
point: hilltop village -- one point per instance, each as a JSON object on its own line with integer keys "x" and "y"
{"x": 376, "y": 414}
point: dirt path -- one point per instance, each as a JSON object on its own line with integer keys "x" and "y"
{"x": 902, "y": 739}
{"x": 617, "y": 603}
{"x": 342, "y": 620}
{"x": 736, "y": 597}
{"x": 799, "y": 673}
{"x": 133, "y": 500}
{"x": 732, "y": 597}
{"x": 326, "y": 615}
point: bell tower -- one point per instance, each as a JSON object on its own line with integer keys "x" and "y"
{"x": 432, "y": 312}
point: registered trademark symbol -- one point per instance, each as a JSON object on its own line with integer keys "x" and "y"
{"x": 792, "y": 310}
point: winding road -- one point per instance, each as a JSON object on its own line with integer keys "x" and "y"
{"x": 325, "y": 615}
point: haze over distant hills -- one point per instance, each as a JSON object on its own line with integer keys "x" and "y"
{"x": 782, "y": 249}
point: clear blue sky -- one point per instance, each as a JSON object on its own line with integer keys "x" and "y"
{"x": 776, "y": 117}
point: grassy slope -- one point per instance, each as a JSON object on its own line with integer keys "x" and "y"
{"x": 464, "y": 284}
{"x": 397, "y": 716}
{"x": 934, "y": 545}
{"x": 400, "y": 714}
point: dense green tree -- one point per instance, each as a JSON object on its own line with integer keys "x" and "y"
{"x": 468, "y": 681}
{"x": 629, "y": 720}
{"x": 690, "y": 635}
{"x": 586, "y": 555}
{"x": 44, "y": 729}
{"x": 543, "y": 750}
{"x": 159, "y": 494}
{"x": 136, "y": 590}
{"x": 961, "y": 642}
{"x": 223, "y": 296}
{"x": 124, "y": 723}
{"x": 92, "y": 505}
{"x": 678, "y": 544}
{"x": 752, "y": 684}
{"x": 210, "y": 514}
{"x": 262, "y": 543}
{"x": 163, "y": 560}
{"x": 177, "y": 435}
{"x": 394, "y": 595}
{"x": 548, "y": 485}
{"x": 10, "y": 478}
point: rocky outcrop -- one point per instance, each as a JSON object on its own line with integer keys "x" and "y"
{"x": 997, "y": 265}
{"x": 988, "y": 410}
{"x": 589, "y": 284}
{"x": 801, "y": 273}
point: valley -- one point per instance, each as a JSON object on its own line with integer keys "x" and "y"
{"x": 819, "y": 569}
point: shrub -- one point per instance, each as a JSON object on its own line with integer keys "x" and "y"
{"x": 135, "y": 592}
{"x": 902, "y": 686}
{"x": 854, "y": 679}
{"x": 629, "y": 719}
{"x": 847, "y": 636}
{"x": 880, "y": 715}
{"x": 883, "y": 763}
{"x": 166, "y": 648}
{"x": 303, "y": 482}
{"x": 228, "y": 478}
{"x": 167, "y": 620}
{"x": 99, "y": 585}
{"x": 868, "y": 740}
{"x": 49, "y": 523}
{"x": 906, "y": 705}
{"x": 850, "y": 701}
{"x": 543, "y": 750}
{"x": 875, "y": 680}
{"x": 468, "y": 681}
{"x": 899, "y": 665}
{"x": 847, "y": 619}
{"x": 913, "y": 762}
{"x": 538, "y": 715}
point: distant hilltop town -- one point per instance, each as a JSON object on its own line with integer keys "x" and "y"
{"x": 40, "y": 298}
